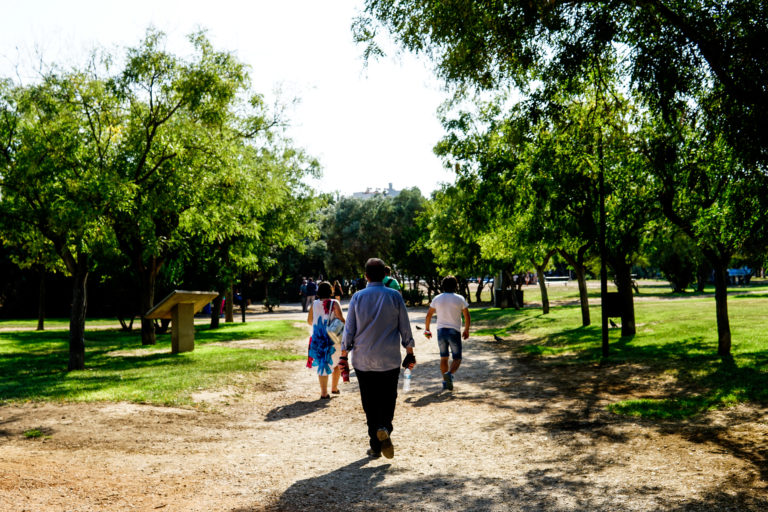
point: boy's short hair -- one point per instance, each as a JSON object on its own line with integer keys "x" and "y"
{"x": 375, "y": 270}
{"x": 449, "y": 284}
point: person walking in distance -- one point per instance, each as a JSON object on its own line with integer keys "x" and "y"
{"x": 303, "y": 294}
{"x": 311, "y": 291}
{"x": 377, "y": 326}
{"x": 450, "y": 307}
{"x": 390, "y": 281}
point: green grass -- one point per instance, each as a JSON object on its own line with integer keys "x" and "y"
{"x": 570, "y": 292}
{"x": 54, "y": 323}
{"x": 34, "y": 433}
{"x": 33, "y": 364}
{"x": 675, "y": 339}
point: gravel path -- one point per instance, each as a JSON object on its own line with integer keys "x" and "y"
{"x": 517, "y": 434}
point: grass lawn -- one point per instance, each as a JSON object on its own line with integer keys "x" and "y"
{"x": 570, "y": 292}
{"x": 675, "y": 339}
{"x": 53, "y": 323}
{"x": 33, "y": 364}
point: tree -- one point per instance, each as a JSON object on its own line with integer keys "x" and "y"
{"x": 708, "y": 192}
{"x": 355, "y": 230}
{"x": 674, "y": 253}
{"x": 671, "y": 47}
{"x": 409, "y": 253}
{"x": 52, "y": 181}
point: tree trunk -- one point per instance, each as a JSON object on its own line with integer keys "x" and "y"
{"x": 479, "y": 292}
{"x": 465, "y": 290}
{"x": 41, "y": 302}
{"x": 229, "y": 310}
{"x": 147, "y": 277}
{"x": 624, "y": 286}
{"x": 702, "y": 276}
{"x": 721, "y": 308}
{"x": 215, "y": 311}
{"x": 578, "y": 268}
{"x": 543, "y": 289}
{"x": 77, "y": 315}
{"x": 581, "y": 278}
{"x": 542, "y": 282}
{"x": 244, "y": 299}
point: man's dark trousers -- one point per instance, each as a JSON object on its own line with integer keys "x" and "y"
{"x": 378, "y": 392}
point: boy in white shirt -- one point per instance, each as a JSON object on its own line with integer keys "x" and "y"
{"x": 449, "y": 307}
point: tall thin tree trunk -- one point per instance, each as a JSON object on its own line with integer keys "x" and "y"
{"x": 721, "y": 309}
{"x": 581, "y": 277}
{"x": 41, "y": 302}
{"x": 229, "y": 310}
{"x": 147, "y": 276}
{"x": 77, "y": 315}
{"x": 702, "y": 276}
{"x": 543, "y": 289}
{"x": 542, "y": 282}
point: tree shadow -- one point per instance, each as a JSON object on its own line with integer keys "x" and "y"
{"x": 572, "y": 390}
{"x": 364, "y": 485}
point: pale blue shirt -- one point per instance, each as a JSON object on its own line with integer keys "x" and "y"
{"x": 377, "y": 324}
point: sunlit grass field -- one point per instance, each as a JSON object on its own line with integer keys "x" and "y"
{"x": 33, "y": 364}
{"x": 676, "y": 338}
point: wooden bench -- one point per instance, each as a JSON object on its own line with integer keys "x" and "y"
{"x": 557, "y": 279}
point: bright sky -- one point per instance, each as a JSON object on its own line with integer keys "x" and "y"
{"x": 368, "y": 126}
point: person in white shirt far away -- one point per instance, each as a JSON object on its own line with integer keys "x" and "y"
{"x": 450, "y": 307}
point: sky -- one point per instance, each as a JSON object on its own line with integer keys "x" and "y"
{"x": 369, "y": 126}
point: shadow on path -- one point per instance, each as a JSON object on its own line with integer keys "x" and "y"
{"x": 296, "y": 409}
{"x": 360, "y": 486}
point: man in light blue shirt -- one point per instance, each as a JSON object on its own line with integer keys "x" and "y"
{"x": 377, "y": 325}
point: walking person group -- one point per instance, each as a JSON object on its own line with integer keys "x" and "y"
{"x": 376, "y": 331}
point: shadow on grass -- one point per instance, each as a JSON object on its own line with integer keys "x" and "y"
{"x": 43, "y": 375}
{"x": 33, "y": 364}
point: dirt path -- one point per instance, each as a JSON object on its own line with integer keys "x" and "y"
{"x": 517, "y": 434}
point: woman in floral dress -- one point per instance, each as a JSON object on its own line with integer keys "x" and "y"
{"x": 324, "y": 353}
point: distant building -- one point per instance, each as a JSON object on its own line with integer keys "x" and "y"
{"x": 373, "y": 192}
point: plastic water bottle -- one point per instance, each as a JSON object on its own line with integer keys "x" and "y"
{"x": 407, "y": 380}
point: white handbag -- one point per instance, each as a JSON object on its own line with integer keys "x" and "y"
{"x": 335, "y": 327}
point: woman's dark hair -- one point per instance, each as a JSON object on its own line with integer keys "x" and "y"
{"x": 324, "y": 290}
{"x": 450, "y": 284}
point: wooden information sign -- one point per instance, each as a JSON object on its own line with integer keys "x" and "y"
{"x": 180, "y": 307}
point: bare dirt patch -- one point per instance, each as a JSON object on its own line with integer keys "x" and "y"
{"x": 518, "y": 433}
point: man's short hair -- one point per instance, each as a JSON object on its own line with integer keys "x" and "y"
{"x": 375, "y": 269}
{"x": 450, "y": 284}
{"x": 387, "y": 270}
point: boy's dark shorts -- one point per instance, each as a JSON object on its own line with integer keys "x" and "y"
{"x": 447, "y": 337}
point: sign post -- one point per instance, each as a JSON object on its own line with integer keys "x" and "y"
{"x": 180, "y": 307}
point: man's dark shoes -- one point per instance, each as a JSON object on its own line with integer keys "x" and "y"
{"x": 372, "y": 454}
{"x": 386, "y": 443}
